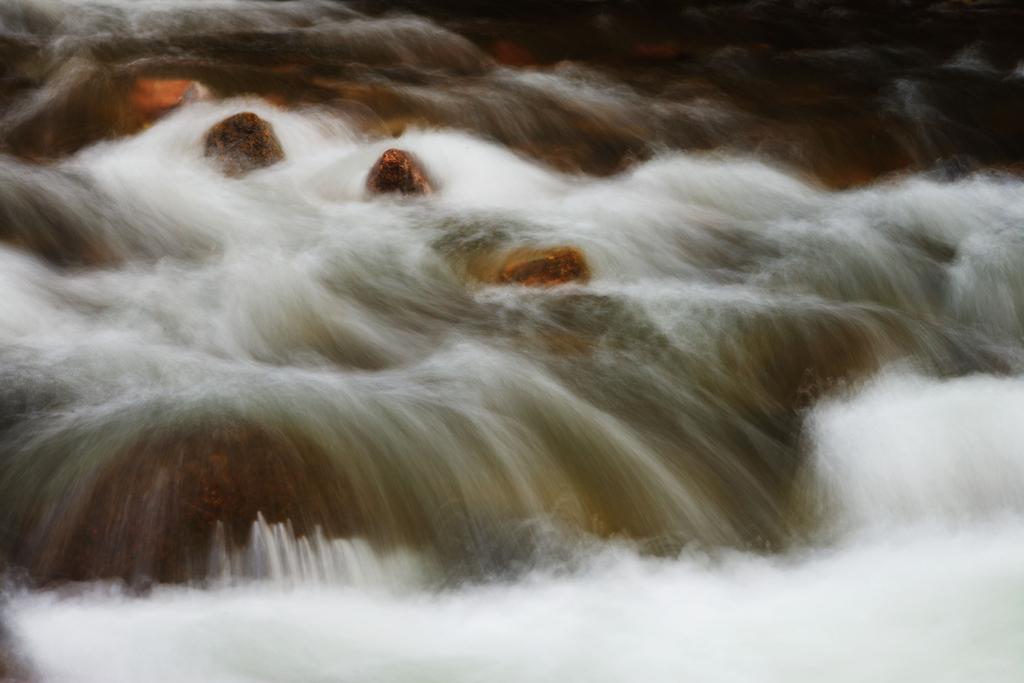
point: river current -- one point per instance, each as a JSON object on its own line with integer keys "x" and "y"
{"x": 278, "y": 428}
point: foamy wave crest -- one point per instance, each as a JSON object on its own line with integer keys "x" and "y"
{"x": 913, "y": 449}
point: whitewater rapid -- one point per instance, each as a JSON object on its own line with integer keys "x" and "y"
{"x": 927, "y": 606}
{"x": 276, "y": 428}
{"x": 927, "y": 597}
{"x": 656, "y": 401}
{"x": 288, "y": 296}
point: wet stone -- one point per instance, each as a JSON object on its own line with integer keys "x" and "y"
{"x": 510, "y": 53}
{"x": 397, "y": 171}
{"x": 151, "y": 98}
{"x": 242, "y": 143}
{"x": 555, "y": 267}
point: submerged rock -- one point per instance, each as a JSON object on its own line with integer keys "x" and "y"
{"x": 151, "y": 98}
{"x": 243, "y": 142}
{"x": 397, "y": 171}
{"x": 152, "y": 510}
{"x": 511, "y": 53}
{"x": 555, "y": 267}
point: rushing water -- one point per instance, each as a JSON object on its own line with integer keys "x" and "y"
{"x": 272, "y": 428}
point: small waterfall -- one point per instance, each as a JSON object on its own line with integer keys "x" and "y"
{"x": 274, "y": 554}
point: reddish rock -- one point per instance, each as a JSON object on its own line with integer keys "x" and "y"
{"x": 152, "y": 510}
{"x": 397, "y": 171}
{"x": 152, "y": 97}
{"x": 242, "y": 143}
{"x": 554, "y": 267}
{"x": 512, "y": 54}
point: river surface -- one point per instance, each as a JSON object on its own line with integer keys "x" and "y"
{"x": 276, "y": 428}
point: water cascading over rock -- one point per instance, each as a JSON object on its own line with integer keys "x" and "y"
{"x": 553, "y": 267}
{"x": 150, "y": 510}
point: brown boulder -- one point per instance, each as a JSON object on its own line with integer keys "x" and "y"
{"x": 242, "y": 143}
{"x": 154, "y": 508}
{"x": 555, "y": 267}
{"x": 397, "y": 171}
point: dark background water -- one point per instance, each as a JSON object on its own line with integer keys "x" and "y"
{"x": 845, "y": 92}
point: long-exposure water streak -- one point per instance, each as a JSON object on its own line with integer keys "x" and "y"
{"x": 692, "y": 350}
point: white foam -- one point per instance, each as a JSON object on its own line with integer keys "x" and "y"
{"x": 911, "y": 449}
{"x": 921, "y": 607}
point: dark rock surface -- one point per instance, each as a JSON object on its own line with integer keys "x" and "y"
{"x": 398, "y": 171}
{"x": 242, "y": 143}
